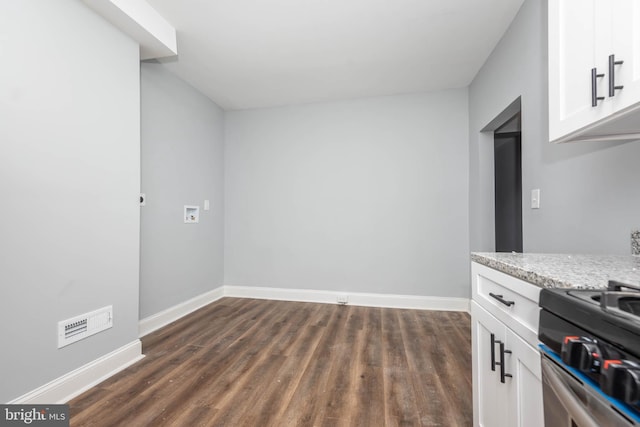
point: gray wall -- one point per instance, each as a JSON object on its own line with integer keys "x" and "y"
{"x": 69, "y": 182}
{"x": 590, "y": 197}
{"x": 366, "y": 195}
{"x": 182, "y": 164}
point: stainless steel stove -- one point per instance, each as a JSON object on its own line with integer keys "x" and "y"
{"x": 591, "y": 356}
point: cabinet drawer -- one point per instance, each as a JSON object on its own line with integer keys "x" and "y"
{"x": 513, "y": 301}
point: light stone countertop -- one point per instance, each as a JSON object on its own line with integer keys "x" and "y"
{"x": 635, "y": 242}
{"x": 564, "y": 270}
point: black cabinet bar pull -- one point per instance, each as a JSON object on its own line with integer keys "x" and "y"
{"x": 503, "y": 375}
{"x": 612, "y": 75}
{"x": 594, "y": 88}
{"x": 493, "y": 352}
{"x": 501, "y": 299}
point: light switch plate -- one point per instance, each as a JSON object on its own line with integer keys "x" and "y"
{"x": 206, "y": 205}
{"x": 535, "y": 199}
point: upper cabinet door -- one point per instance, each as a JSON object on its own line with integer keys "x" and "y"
{"x": 583, "y": 36}
{"x": 573, "y": 40}
{"x": 625, "y": 47}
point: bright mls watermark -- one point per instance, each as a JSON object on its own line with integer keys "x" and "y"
{"x": 34, "y": 415}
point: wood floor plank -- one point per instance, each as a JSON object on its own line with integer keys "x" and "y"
{"x": 400, "y": 402}
{"x": 450, "y": 357}
{"x": 341, "y": 386}
{"x": 311, "y": 393}
{"x": 260, "y": 375}
{"x": 425, "y": 380}
{"x": 370, "y": 392}
{"x": 275, "y": 395}
{"x": 293, "y": 370}
{"x": 137, "y": 393}
{"x": 203, "y": 374}
{"x": 145, "y": 399}
{"x": 247, "y": 362}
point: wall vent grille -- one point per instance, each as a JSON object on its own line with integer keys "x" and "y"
{"x": 85, "y": 325}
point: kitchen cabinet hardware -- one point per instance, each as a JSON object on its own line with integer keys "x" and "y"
{"x": 612, "y": 75}
{"x": 501, "y": 299}
{"x": 493, "y": 352}
{"x": 503, "y": 375}
{"x": 594, "y": 87}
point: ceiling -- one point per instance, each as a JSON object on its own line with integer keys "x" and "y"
{"x": 251, "y": 53}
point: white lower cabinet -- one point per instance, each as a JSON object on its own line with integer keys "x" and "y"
{"x": 507, "y": 386}
{"x": 524, "y": 389}
{"x": 489, "y": 394}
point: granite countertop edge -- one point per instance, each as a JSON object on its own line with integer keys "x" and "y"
{"x": 518, "y": 272}
{"x": 564, "y": 270}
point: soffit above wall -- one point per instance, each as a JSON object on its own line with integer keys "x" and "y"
{"x": 157, "y": 38}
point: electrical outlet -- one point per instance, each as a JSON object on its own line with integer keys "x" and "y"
{"x": 343, "y": 299}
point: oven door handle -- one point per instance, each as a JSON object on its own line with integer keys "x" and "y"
{"x": 573, "y": 406}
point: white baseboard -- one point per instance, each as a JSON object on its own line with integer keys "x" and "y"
{"x": 171, "y": 314}
{"x": 354, "y": 298}
{"x": 72, "y": 384}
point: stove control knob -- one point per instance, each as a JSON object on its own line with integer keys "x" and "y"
{"x": 621, "y": 381}
{"x": 581, "y": 353}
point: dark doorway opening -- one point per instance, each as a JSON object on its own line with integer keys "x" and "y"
{"x": 507, "y": 150}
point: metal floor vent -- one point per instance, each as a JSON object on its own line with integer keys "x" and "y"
{"x": 79, "y": 327}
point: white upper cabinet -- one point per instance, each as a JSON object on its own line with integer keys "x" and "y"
{"x": 572, "y": 57}
{"x": 594, "y": 70}
{"x": 625, "y": 21}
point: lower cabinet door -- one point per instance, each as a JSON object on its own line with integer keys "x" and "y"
{"x": 489, "y": 393}
{"x": 525, "y": 384}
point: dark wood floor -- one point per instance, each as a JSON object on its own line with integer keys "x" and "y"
{"x": 246, "y": 362}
